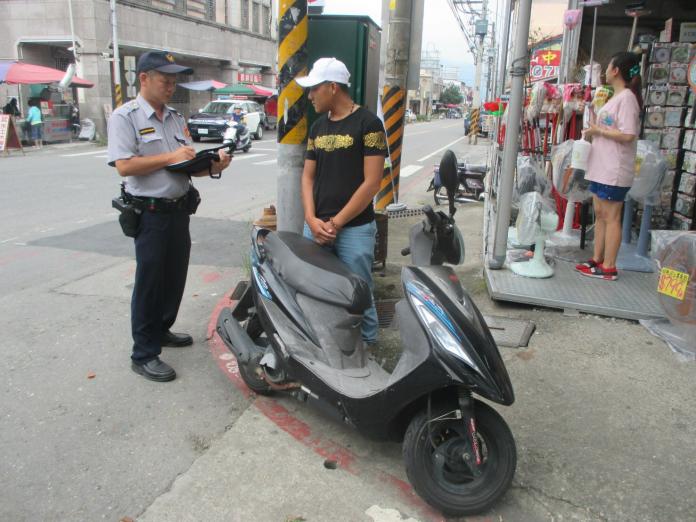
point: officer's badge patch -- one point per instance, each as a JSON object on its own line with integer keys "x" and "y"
{"x": 169, "y": 58}
{"x": 146, "y": 130}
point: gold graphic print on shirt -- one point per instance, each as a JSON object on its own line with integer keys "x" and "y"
{"x": 310, "y": 144}
{"x": 375, "y": 140}
{"x": 332, "y": 142}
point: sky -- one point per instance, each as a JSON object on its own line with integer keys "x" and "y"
{"x": 441, "y": 31}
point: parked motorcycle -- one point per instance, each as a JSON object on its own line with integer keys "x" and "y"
{"x": 471, "y": 178}
{"x": 295, "y": 328}
{"x": 239, "y": 134}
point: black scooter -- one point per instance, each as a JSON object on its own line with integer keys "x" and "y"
{"x": 295, "y": 328}
{"x": 471, "y": 181}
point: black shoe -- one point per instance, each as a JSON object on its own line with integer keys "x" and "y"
{"x": 155, "y": 370}
{"x": 177, "y": 340}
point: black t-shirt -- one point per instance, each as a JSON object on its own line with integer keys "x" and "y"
{"x": 339, "y": 148}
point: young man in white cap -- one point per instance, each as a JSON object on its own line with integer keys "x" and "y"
{"x": 342, "y": 174}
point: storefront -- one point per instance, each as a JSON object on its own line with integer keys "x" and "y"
{"x": 40, "y": 85}
{"x": 561, "y": 233}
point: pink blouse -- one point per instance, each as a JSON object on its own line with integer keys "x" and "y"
{"x": 611, "y": 162}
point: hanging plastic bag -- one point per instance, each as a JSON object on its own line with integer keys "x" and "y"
{"x": 650, "y": 168}
{"x": 530, "y": 178}
{"x": 536, "y": 217}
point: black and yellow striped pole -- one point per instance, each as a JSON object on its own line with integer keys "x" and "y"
{"x": 118, "y": 95}
{"x": 474, "y": 126}
{"x": 394, "y": 110}
{"x": 292, "y": 112}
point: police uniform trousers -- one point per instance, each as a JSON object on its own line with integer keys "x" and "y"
{"x": 162, "y": 249}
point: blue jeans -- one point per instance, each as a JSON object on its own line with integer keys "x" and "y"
{"x": 355, "y": 246}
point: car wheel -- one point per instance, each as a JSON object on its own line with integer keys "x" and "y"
{"x": 259, "y": 132}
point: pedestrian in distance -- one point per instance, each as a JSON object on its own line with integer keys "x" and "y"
{"x": 12, "y": 108}
{"x": 35, "y": 121}
{"x": 342, "y": 174}
{"x": 611, "y": 164}
{"x": 145, "y": 135}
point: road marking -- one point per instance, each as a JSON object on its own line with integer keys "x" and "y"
{"x": 100, "y": 151}
{"x": 267, "y": 162}
{"x": 246, "y": 157}
{"x": 409, "y": 170}
{"x": 260, "y": 148}
{"x": 441, "y": 149}
{"x": 102, "y": 156}
{"x": 11, "y": 239}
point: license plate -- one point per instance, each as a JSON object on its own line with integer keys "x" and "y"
{"x": 202, "y": 131}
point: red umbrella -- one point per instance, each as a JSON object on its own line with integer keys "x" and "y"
{"x": 26, "y": 73}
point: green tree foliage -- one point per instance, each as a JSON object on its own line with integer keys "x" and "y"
{"x": 452, "y": 94}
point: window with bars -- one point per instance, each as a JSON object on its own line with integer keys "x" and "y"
{"x": 256, "y": 17}
{"x": 245, "y": 15}
{"x": 266, "y": 20}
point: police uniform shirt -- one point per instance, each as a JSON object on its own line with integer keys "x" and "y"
{"x": 135, "y": 130}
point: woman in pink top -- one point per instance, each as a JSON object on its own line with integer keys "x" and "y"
{"x": 611, "y": 164}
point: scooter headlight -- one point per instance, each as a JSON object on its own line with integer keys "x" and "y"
{"x": 438, "y": 322}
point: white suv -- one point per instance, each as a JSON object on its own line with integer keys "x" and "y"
{"x": 211, "y": 121}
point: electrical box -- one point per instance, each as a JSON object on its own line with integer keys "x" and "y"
{"x": 355, "y": 40}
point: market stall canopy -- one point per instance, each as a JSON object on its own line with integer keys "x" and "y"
{"x": 203, "y": 85}
{"x": 261, "y": 91}
{"x": 27, "y": 74}
{"x": 245, "y": 90}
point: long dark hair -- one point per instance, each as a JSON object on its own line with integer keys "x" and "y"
{"x": 629, "y": 69}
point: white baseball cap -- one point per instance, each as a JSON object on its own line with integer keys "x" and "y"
{"x": 326, "y": 70}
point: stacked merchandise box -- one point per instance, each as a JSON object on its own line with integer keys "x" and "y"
{"x": 666, "y": 102}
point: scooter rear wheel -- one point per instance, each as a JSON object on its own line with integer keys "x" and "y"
{"x": 447, "y": 483}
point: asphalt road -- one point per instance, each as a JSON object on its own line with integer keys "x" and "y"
{"x": 81, "y": 436}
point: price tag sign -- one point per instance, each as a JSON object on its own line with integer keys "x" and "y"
{"x": 673, "y": 283}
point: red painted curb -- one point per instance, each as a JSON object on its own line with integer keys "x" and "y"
{"x": 301, "y": 431}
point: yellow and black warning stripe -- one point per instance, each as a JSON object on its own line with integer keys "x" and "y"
{"x": 474, "y": 127}
{"x": 393, "y": 106}
{"x": 118, "y": 96}
{"x": 292, "y": 63}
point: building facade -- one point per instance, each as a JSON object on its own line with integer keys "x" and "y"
{"x": 225, "y": 40}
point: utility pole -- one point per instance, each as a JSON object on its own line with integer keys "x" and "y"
{"x": 394, "y": 94}
{"x": 117, "y": 63}
{"x": 481, "y": 28}
{"x": 292, "y": 112}
{"x": 519, "y": 70}
{"x": 502, "y": 64}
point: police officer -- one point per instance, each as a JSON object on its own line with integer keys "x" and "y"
{"x": 146, "y": 135}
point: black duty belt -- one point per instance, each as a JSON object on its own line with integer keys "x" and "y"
{"x": 164, "y": 205}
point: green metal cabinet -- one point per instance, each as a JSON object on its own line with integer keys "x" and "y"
{"x": 355, "y": 40}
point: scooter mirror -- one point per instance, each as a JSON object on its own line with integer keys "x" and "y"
{"x": 449, "y": 177}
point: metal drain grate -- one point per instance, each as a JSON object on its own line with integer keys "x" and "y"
{"x": 386, "y": 312}
{"x": 405, "y": 213}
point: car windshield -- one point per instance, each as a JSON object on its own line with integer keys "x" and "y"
{"x": 218, "y": 108}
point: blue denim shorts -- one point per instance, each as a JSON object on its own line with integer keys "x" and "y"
{"x": 608, "y": 192}
{"x": 36, "y": 131}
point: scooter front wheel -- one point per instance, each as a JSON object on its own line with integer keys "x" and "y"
{"x": 434, "y": 454}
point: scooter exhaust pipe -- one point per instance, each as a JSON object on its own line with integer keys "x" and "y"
{"x": 236, "y": 339}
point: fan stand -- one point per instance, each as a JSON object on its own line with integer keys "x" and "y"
{"x": 634, "y": 257}
{"x": 567, "y": 236}
{"x": 536, "y": 267}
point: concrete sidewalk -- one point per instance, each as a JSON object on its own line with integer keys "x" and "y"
{"x": 603, "y": 422}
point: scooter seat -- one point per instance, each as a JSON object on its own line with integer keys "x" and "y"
{"x": 477, "y": 169}
{"x": 316, "y": 272}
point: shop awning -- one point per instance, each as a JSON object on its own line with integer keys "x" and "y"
{"x": 260, "y": 91}
{"x": 203, "y": 85}
{"x": 27, "y": 74}
{"x": 241, "y": 89}
{"x": 236, "y": 90}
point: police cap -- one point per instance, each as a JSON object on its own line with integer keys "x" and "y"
{"x": 160, "y": 61}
